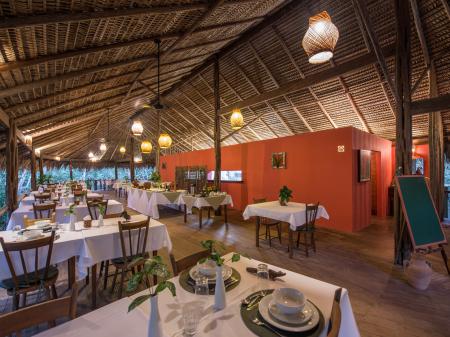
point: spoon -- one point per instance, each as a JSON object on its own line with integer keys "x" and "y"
{"x": 258, "y": 322}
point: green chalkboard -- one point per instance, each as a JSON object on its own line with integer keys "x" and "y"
{"x": 421, "y": 217}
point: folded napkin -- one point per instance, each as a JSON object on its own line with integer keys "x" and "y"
{"x": 272, "y": 273}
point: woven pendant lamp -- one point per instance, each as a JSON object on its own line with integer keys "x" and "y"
{"x": 164, "y": 141}
{"x": 320, "y": 39}
{"x": 146, "y": 147}
{"x": 236, "y": 119}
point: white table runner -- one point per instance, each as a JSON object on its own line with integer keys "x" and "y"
{"x": 294, "y": 213}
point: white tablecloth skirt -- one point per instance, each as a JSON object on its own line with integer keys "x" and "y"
{"x": 147, "y": 201}
{"x": 192, "y": 201}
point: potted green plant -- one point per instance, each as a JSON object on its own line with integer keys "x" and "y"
{"x": 217, "y": 249}
{"x": 285, "y": 195}
{"x": 153, "y": 266}
{"x": 155, "y": 177}
{"x": 72, "y": 217}
{"x": 101, "y": 211}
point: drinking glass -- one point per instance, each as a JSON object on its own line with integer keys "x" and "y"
{"x": 201, "y": 286}
{"x": 191, "y": 314}
{"x": 263, "y": 276}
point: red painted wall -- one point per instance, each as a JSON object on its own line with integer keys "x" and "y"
{"x": 315, "y": 171}
{"x": 422, "y": 150}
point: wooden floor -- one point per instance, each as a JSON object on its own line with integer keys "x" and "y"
{"x": 383, "y": 303}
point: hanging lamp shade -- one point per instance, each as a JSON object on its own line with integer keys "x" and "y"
{"x": 122, "y": 149}
{"x": 236, "y": 119}
{"x": 320, "y": 38}
{"x": 37, "y": 152}
{"x": 137, "y": 159}
{"x": 57, "y": 158}
{"x": 91, "y": 155}
{"x": 103, "y": 147}
{"x": 137, "y": 129}
{"x": 28, "y": 140}
{"x": 146, "y": 147}
{"x": 164, "y": 141}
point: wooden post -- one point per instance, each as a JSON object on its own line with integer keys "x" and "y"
{"x": 158, "y": 132}
{"x": 41, "y": 165}
{"x": 11, "y": 167}
{"x": 33, "y": 168}
{"x": 436, "y": 144}
{"x": 131, "y": 158}
{"x": 403, "y": 144}
{"x": 217, "y": 148}
{"x": 70, "y": 170}
{"x": 116, "y": 175}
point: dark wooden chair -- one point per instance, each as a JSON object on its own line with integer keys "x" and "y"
{"x": 100, "y": 198}
{"x": 335, "y": 319}
{"x": 308, "y": 228}
{"x": 93, "y": 208}
{"x": 16, "y": 321}
{"x": 269, "y": 223}
{"x": 187, "y": 261}
{"x": 43, "y": 278}
{"x": 112, "y": 215}
{"x": 42, "y": 197}
{"x": 131, "y": 252}
{"x": 44, "y": 211}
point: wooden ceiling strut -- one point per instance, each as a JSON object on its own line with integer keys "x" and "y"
{"x": 446, "y": 6}
{"x": 5, "y": 120}
{"x": 323, "y": 76}
{"x": 72, "y": 121}
{"x": 439, "y": 103}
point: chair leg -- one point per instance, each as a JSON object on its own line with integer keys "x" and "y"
{"x": 122, "y": 279}
{"x": 15, "y": 303}
{"x": 87, "y": 276}
{"x": 298, "y": 239}
{"x": 24, "y": 300}
{"x": 313, "y": 241}
{"x": 114, "y": 281}
{"x": 54, "y": 293}
{"x": 102, "y": 264}
{"x": 270, "y": 236}
{"x": 306, "y": 244}
{"x": 105, "y": 276}
{"x": 279, "y": 232}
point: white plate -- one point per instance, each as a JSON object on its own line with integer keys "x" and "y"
{"x": 293, "y": 319}
{"x": 263, "y": 308}
{"x": 226, "y": 273}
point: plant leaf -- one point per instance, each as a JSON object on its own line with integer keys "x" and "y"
{"x": 172, "y": 288}
{"x": 134, "y": 281}
{"x": 137, "y": 302}
{"x": 236, "y": 257}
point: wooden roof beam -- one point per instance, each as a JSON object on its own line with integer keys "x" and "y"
{"x": 439, "y": 103}
{"x": 4, "y": 119}
{"x": 63, "y": 124}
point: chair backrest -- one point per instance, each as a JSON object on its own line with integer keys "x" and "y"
{"x": 99, "y": 198}
{"x": 335, "y": 319}
{"x": 93, "y": 208}
{"x": 27, "y": 222}
{"x": 44, "y": 210}
{"x": 259, "y": 200}
{"x": 48, "y": 311}
{"x": 187, "y": 261}
{"x": 112, "y": 215}
{"x": 20, "y": 248}
{"x": 40, "y": 198}
{"x": 136, "y": 246}
{"x": 311, "y": 215}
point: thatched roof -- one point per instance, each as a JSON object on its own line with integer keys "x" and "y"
{"x": 65, "y": 64}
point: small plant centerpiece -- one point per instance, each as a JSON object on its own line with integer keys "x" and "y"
{"x": 72, "y": 217}
{"x": 153, "y": 266}
{"x": 216, "y": 249}
{"x": 285, "y": 195}
{"x": 155, "y": 177}
{"x": 101, "y": 211}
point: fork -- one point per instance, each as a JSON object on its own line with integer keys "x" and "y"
{"x": 258, "y": 322}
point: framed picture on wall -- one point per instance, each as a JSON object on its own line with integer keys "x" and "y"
{"x": 364, "y": 165}
{"x": 279, "y": 160}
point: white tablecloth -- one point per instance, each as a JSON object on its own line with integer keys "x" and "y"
{"x": 90, "y": 245}
{"x": 81, "y": 211}
{"x": 147, "y": 201}
{"x": 294, "y": 213}
{"x": 115, "y": 322}
{"x": 29, "y": 200}
{"x": 213, "y": 201}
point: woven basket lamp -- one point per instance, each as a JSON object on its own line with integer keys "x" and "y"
{"x": 137, "y": 129}
{"x": 122, "y": 149}
{"x": 320, "y": 39}
{"x": 236, "y": 119}
{"x": 164, "y": 141}
{"x": 146, "y": 147}
{"x": 28, "y": 140}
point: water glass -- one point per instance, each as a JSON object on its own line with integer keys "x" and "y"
{"x": 262, "y": 272}
{"x": 191, "y": 313}
{"x": 201, "y": 286}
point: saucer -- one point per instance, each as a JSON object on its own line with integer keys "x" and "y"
{"x": 194, "y": 273}
{"x": 293, "y": 319}
{"x": 270, "y": 319}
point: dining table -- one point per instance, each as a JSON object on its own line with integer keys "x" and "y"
{"x": 294, "y": 213}
{"x": 84, "y": 247}
{"x": 113, "y": 320}
{"x": 29, "y": 200}
{"x": 81, "y": 210}
{"x": 210, "y": 202}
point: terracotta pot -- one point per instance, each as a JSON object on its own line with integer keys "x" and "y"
{"x": 418, "y": 272}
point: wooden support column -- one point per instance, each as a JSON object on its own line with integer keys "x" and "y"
{"x": 33, "y": 168}
{"x": 403, "y": 144}
{"x": 217, "y": 148}
{"x": 116, "y": 175}
{"x": 11, "y": 167}
{"x": 158, "y": 132}
{"x": 41, "y": 165}
{"x": 131, "y": 158}
{"x": 70, "y": 170}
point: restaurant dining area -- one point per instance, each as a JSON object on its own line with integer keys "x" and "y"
{"x": 225, "y": 168}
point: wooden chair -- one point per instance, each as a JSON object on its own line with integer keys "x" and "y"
{"x": 93, "y": 208}
{"x": 309, "y": 228}
{"x": 27, "y": 222}
{"x": 187, "y": 261}
{"x": 42, "y": 197}
{"x": 14, "y": 322}
{"x": 44, "y": 211}
{"x": 335, "y": 319}
{"x": 43, "y": 278}
{"x": 112, "y": 216}
{"x": 99, "y": 198}
{"x": 128, "y": 260}
{"x": 269, "y": 223}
